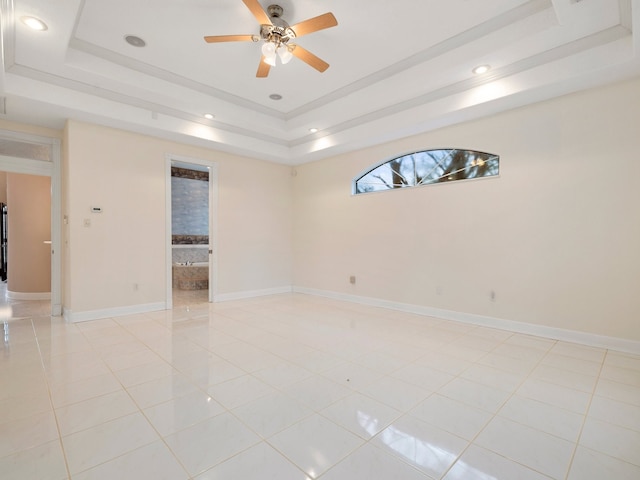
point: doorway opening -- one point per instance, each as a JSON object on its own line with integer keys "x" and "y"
{"x": 191, "y": 259}
{"x": 25, "y": 244}
{"x": 29, "y": 160}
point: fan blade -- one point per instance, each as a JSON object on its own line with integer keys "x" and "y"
{"x": 314, "y": 24}
{"x": 258, "y": 12}
{"x": 263, "y": 69}
{"x": 230, "y": 38}
{"x": 309, "y": 58}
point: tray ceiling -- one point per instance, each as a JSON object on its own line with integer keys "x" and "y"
{"x": 396, "y": 68}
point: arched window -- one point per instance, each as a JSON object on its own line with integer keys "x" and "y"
{"x": 428, "y": 167}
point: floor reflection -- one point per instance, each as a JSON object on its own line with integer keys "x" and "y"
{"x": 11, "y": 309}
{"x": 14, "y": 309}
{"x": 420, "y": 452}
{"x": 182, "y": 298}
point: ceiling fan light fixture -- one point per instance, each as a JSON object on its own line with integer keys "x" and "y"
{"x": 270, "y": 60}
{"x": 276, "y": 33}
{"x": 269, "y": 49}
{"x": 284, "y": 54}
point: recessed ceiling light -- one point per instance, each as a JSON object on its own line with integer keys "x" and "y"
{"x": 34, "y": 23}
{"x": 313, "y": 130}
{"x": 135, "y": 41}
{"x": 208, "y": 116}
{"x": 275, "y": 96}
{"x": 479, "y": 70}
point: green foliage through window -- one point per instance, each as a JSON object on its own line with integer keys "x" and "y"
{"x": 428, "y": 167}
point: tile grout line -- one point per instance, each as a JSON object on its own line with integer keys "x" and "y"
{"x": 53, "y": 410}
{"x": 495, "y": 414}
{"x": 586, "y": 415}
{"x": 140, "y": 410}
{"x": 226, "y": 410}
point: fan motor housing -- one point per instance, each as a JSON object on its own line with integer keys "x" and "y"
{"x": 275, "y": 11}
{"x": 279, "y": 32}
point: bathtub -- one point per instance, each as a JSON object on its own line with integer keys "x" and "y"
{"x": 192, "y": 276}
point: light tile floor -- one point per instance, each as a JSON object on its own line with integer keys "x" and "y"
{"x": 296, "y": 387}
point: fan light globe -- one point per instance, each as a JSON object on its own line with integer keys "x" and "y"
{"x": 285, "y": 54}
{"x": 270, "y": 60}
{"x": 269, "y": 49}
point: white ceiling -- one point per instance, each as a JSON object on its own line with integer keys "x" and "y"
{"x": 397, "y": 68}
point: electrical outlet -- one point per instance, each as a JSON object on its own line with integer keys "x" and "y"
{"x": 135, "y": 287}
{"x": 86, "y": 222}
{"x": 492, "y": 295}
{"x": 352, "y": 279}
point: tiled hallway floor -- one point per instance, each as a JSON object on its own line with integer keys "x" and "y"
{"x": 295, "y": 387}
{"x": 12, "y": 308}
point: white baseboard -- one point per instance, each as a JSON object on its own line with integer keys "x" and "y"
{"x": 74, "y": 317}
{"x": 28, "y": 295}
{"x": 225, "y": 297}
{"x": 573, "y": 336}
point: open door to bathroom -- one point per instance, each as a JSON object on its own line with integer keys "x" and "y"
{"x": 191, "y": 244}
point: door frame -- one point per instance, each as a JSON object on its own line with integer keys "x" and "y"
{"x": 213, "y": 219}
{"x": 45, "y": 169}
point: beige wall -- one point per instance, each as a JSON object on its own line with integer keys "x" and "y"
{"x": 557, "y": 236}
{"x": 29, "y": 226}
{"x": 124, "y": 173}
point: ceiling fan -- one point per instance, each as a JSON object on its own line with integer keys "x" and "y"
{"x": 277, "y": 34}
